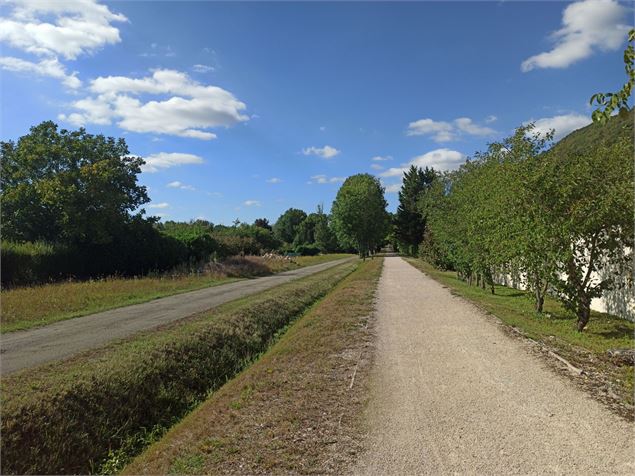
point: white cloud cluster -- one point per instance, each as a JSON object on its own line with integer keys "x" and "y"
{"x": 562, "y": 125}
{"x": 180, "y": 185}
{"x": 439, "y": 159}
{"x": 274, "y": 180}
{"x": 376, "y": 167}
{"x": 587, "y": 26}
{"x": 326, "y": 152}
{"x": 166, "y": 160}
{"x": 252, "y": 203}
{"x": 442, "y": 131}
{"x": 323, "y": 179}
{"x": 380, "y": 158}
{"x": 51, "y": 29}
{"x": 191, "y": 108}
{"x": 202, "y": 68}
{"x": 160, "y": 206}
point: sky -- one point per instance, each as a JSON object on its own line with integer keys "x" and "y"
{"x": 243, "y": 110}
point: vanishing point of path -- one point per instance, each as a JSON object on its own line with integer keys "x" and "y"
{"x": 452, "y": 394}
{"x": 24, "y": 349}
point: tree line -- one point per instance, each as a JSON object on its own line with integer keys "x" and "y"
{"x": 72, "y": 206}
{"x": 558, "y": 217}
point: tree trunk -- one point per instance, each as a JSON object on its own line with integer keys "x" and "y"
{"x": 584, "y": 312}
{"x": 540, "y": 300}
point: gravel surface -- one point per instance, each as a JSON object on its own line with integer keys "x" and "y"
{"x": 451, "y": 393}
{"x": 24, "y": 349}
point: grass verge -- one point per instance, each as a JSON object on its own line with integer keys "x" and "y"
{"x": 34, "y": 306}
{"x": 555, "y": 331}
{"x": 293, "y": 411}
{"x": 70, "y": 416}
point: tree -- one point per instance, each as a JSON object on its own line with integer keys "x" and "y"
{"x": 287, "y": 225}
{"x": 68, "y": 186}
{"x": 263, "y": 223}
{"x": 409, "y": 222}
{"x": 360, "y": 219}
{"x": 609, "y": 102}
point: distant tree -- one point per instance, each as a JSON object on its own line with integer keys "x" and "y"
{"x": 360, "y": 219}
{"x": 286, "y": 227}
{"x": 609, "y": 102}
{"x": 68, "y": 186}
{"x": 263, "y": 223}
{"x": 409, "y": 222}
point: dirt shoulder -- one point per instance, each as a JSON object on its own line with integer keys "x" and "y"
{"x": 296, "y": 410}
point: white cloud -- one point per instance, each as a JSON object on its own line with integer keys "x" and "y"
{"x": 274, "y": 180}
{"x": 393, "y": 187}
{"x": 376, "y": 167}
{"x": 202, "y": 68}
{"x": 379, "y": 158}
{"x": 59, "y": 28}
{"x": 563, "y": 124}
{"x": 180, "y": 185}
{"x": 326, "y": 152}
{"x": 161, "y": 205}
{"x": 166, "y": 160}
{"x": 322, "y": 179}
{"x": 252, "y": 203}
{"x": 587, "y": 26}
{"x": 51, "y": 68}
{"x": 191, "y": 109}
{"x": 442, "y": 131}
{"x": 439, "y": 159}
{"x": 490, "y": 119}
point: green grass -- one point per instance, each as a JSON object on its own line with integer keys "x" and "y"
{"x": 97, "y": 408}
{"x": 34, "y": 306}
{"x": 516, "y": 308}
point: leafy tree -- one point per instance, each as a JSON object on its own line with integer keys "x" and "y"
{"x": 286, "y": 228}
{"x": 263, "y": 223}
{"x": 409, "y": 222}
{"x": 68, "y": 186}
{"x": 360, "y": 219}
{"x": 609, "y": 102}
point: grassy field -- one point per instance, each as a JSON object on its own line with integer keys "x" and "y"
{"x": 91, "y": 412}
{"x": 27, "y": 307}
{"x": 296, "y": 409}
{"x": 555, "y": 327}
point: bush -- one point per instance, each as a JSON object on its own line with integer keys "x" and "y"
{"x": 26, "y": 263}
{"x": 307, "y": 250}
{"x": 64, "y": 418}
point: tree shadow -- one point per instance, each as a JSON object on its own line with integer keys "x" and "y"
{"x": 619, "y": 331}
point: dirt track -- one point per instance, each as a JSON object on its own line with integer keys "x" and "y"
{"x": 24, "y": 349}
{"x": 452, "y": 394}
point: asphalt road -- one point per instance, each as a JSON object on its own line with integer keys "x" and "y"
{"x": 24, "y": 349}
{"x": 453, "y": 394}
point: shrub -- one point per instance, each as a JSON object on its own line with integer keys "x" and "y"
{"x": 307, "y": 250}
{"x": 25, "y": 263}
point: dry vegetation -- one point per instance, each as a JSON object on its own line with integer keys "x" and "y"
{"x": 27, "y": 307}
{"x": 296, "y": 410}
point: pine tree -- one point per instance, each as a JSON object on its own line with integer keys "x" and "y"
{"x": 409, "y": 222}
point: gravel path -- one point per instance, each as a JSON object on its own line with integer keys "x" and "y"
{"x": 24, "y": 349}
{"x": 453, "y": 394}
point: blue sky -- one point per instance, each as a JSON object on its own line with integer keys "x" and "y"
{"x": 243, "y": 110}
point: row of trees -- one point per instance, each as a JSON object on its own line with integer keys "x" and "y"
{"x": 72, "y": 206}
{"x": 556, "y": 218}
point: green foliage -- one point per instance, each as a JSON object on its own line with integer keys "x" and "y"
{"x": 68, "y": 186}
{"x": 360, "y": 219}
{"x": 609, "y": 102}
{"x": 263, "y": 223}
{"x": 286, "y": 228}
{"x": 307, "y": 250}
{"x": 195, "y": 236}
{"x": 409, "y": 222}
{"x": 67, "y": 417}
{"x": 540, "y": 213}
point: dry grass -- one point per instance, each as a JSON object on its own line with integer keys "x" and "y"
{"x": 27, "y": 307}
{"x": 296, "y": 410}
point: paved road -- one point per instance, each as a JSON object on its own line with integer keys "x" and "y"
{"x": 452, "y": 394}
{"x": 24, "y": 349}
